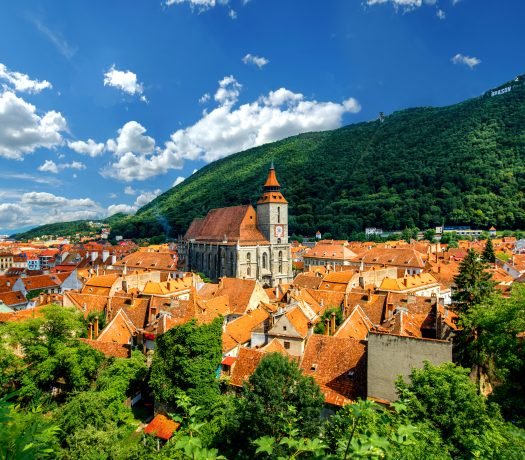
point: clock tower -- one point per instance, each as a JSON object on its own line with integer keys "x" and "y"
{"x": 272, "y": 211}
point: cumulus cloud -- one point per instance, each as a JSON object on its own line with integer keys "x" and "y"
{"x": 124, "y": 208}
{"x": 21, "y": 82}
{"x": 259, "y": 61}
{"x": 22, "y": 130}
{"x": 52, "y": 167}
{"x": 224, "y": 130}
{"x": 89, "y": 147}
{"x": 14, "y": 215}
{"x": 125, "y": 80}
{"x": 129, "y": 190}
{"x": 228, "y": 129}
{"x": 145, "y": 197}
{"x": 466, "y": 60}
{"x": 131, "y": 138}
{"x": 178, "y": 181}
{"x": 204, "y": 98}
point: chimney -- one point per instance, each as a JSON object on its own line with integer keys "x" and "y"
{"x": 369, "y": 295}
{"x": 96, "y": 327}
{"x": 361, "y": 282}
{"x": 90, "y": 331}
{"x": 332, "y": 323}
{"x": 113, "y": 259}
{"x": 124, "y": 285}
{"x": 109, "y": 312}
{"x": 105, "y": 255}
{"x": 94, "y": 256}
{"x": 310, "y": 329}
{"x": 326, "y": 326}
{"x": 152, "y": 314}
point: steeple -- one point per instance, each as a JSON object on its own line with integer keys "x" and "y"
{"x": 272, "y": 189}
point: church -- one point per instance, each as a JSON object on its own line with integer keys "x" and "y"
{"x": 243, "y": 242}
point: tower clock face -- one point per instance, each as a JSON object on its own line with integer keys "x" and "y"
{"x": 279, "y": 231}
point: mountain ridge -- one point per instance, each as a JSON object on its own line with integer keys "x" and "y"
{"x": 423, "y": 166}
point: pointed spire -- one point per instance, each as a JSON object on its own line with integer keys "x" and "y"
{"x": 272, "y": 184}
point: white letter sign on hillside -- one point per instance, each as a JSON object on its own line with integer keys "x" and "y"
{"x": 501, "y": 91}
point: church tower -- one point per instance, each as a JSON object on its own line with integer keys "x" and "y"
{"x": 272, "y": 211}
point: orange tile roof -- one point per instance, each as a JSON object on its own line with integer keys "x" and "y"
{"x": 11, "y": 298}
{"x": 162, "y": 261}
{"x": 298, "y": 320}
{"x": 372, "y": 304}
{"x": 87, "y": 303}
{"x": 245, "y": 365}
{"x": 240, "y": 329}
{"x": 357, "y": 325}
{"x": 162, "y": 427}
{"x": 110, "y": 349}
{"x": 394, "y": 257}
{"x": 104, "y": 281}
{"x": 119, "y": 330}
{"x": 238, "y": 291}
{"x": 235, "y": 223}
{"x": 421, "y": 280}
{"x": 306, "y": 280}
{"x": 330, "y": 252}
{"x": 336, "y": 364}
{"x": 33, "y": 283}
{"x": 21, "y": 315}
{"x": 274, "y": 346}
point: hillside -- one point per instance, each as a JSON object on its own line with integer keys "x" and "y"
{"x": 461, "y": 164}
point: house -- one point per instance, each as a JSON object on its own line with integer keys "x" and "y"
{"x": 291, "y": 330}
{"x": 422, "y": 284}
{"x": 330, "y": 254}
{"x": 406, "y": 259}
{"x": 15, "y": 300}
{"x": 240, "y": 331}
{"x": 6, "y": 261}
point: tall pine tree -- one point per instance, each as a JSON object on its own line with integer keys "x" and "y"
{"x": 473, "y": 282}
{"x": 488, "y": 253}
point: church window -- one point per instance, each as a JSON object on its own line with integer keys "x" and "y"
{"x": 249, "y": 262}
{"x": 280, "y": 261}
{"x": 265, "y": 260}
{"x": 278, "y": 214}
{"x": 232, "y": 268}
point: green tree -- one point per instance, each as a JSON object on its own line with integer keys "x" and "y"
{"x": 473, "y": 282}
{"x": 186, "y": 359}
{"x": 488, "y": 253}
{"x": 276, "y": 393}
{"x": 445, "y": 397}
{"x": 430, "y": 235}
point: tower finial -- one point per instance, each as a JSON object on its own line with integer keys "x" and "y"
{"x": 272, "y": 166}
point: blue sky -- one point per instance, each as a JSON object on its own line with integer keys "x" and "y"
{"x": 105, "y": 104}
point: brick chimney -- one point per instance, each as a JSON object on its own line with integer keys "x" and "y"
{"x": 332, "y": 323}
{"x": 326, "y": 326}
{"x": 90, "y": 331}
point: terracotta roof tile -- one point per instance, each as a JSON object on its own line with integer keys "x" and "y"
{"x": 162, "y": 427}
{"x": 337, "y": 364}
{"x": 240, "y": 329}
{"x": 110, "y": 349}
{"x": 245, "y": 365}
{"x": 394, "y": 257}
{"x": 12, "y": 298}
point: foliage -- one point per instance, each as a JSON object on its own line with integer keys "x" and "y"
{"x": 276, "y": 393}
{"x": 430, "y": 235}
{"x": 488, "y": 253}
{"x": 25, "y": 435}
{"x": 186, "y": 359}
{"x": 445, "y": 397}
{"x": 320, "y": 326}
{"x": 498, "y": 321}
{"x": 461, "y": 164}
{"x": 473, "y": 282}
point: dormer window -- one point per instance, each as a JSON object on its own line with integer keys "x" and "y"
{"x": 314, "y": 367}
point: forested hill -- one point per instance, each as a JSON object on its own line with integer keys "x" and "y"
{"x": 461, "y": 164}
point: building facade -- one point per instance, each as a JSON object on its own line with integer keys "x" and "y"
{"x": 241, "y": 241}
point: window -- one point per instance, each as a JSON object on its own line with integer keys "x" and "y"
{"x": 284, "y": 328}
{"x": 265, "y": 260}
{"x": 286, "y": 345}
{"x": 249, "y": 262}
{"x": 280, "y": 261}
{"x": 232, "y": 268}
{"x": 278, "y": 214}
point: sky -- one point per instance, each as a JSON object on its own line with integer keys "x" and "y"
{"x": 106, "y": 104}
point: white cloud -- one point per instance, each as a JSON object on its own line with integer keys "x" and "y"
{"x": 226, "y": 129}
{"x": 21, "y": 82}
{"x": 405, "y": 5}
{"x": 178, "y": 181}
{"x": 23, "y": 131}
{"x": 441, "y": 14}
{"x": 131, "y": 138}
{"x": 13, "y": 215}
{"x": 145, "y": 197}
{"x": 232, "y": 13}
{"x": 259, "y": 61}
{"x": 466, "y": 60}
{"x": 204, "y": 98}
{"x": 125, "y": 208}
{"x": 125, "y": 80}
{"x": 201, "y": 5}
{"x": 89, "y": 147}
{"x": 52, "y": 167}
{"x": 56, "y": 38}
{"x": 130, "y": 190}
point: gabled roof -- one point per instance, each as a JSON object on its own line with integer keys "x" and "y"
{"x": 421, "y": 280}
{"x": 12, "y": 298}
{"x": 239, "y": 331}
{"x": 330, "y": 252}
{"x": 110, "y": 349}
{"x": 356, "y": 326}
{"x": 306, "y": 280}
{"x": 235, "y": 223}
{"x": 119, "y": 330}
{"x": 393, "y": 257}
{"x": 163, "y": 261}
{"x": 337, "y": 365}
{"x": 32, "y": 283}
{"x": 245, "y": 365}
{"x": 162, "y": 427}
{"x": 238, "y": 291}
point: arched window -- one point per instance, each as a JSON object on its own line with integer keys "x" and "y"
{"x": 209, "y": 262}
{"x": 265, "y": 260}
{"x": 232, "y": 268}
{"x": 249, "y": 263}
{"x": 280, "y": 261}
{"x": 278, "y": 214}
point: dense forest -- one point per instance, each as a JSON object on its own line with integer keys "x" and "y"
{"x": 460, "y": 165}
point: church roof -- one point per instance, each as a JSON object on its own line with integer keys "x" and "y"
{"x": 232, "y": 224}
